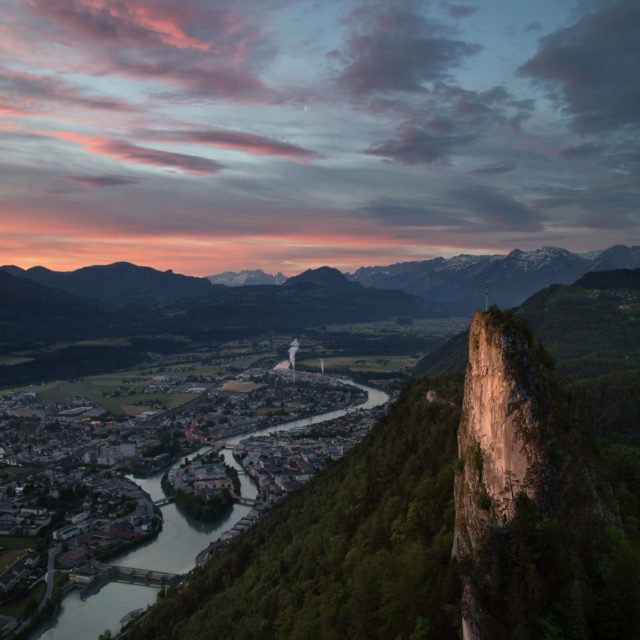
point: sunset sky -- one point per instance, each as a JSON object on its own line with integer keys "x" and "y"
{"x": 205, "y": 136}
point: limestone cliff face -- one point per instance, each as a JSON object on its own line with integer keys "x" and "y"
{"x": 497, "y": 444}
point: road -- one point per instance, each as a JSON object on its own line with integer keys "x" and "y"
{"x": 53, "y": 552}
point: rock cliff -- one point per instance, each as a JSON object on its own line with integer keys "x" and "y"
{"x": 505, "y": 400}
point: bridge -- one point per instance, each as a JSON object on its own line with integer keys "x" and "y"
{"x": 163, "y": 501}
{"x": 242, "y": 500}
{"x": 128, "y": 575}
{"x": 246, "y": 501}
{"x": 147, "y": 577}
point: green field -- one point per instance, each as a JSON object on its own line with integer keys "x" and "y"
{"x": 122, "y": 392}
{"x": 9, "y": 557}
{"x": 12, "y": 472}
{"x": 13, "y": 543}
{"x": 9, "y": 360}
{"x": 17, "y": 609}
{"x": 374, "y": 364}
{"x": 99, "y": 389}
{"x": 432, "y": 328}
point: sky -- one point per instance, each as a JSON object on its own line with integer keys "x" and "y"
{"x": 204, "y": 136}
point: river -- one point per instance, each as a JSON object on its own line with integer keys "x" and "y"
{"x": 174, "y": 550}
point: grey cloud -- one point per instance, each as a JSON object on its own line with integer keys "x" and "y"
{"x": 237, "y": 140}
{"x": 458, "y": 117}
{"x": 460, "y": 10}
{"x": 416, "y": 145}
{"x": 609, "y": 205}
{"x": 606, "y": 221}
{"x": 405, "y": 213}
{"x": 104, "y": 181}
{"x": 503, "y": 166}
{"x": 590, "y": 67}
{"x": 28, "y": 92}
{"x": 586, "y": 150}
{"x": 499, "y": 208}
{"x": 159, "y": 158}
{"x": 399, "y": 50}
{"x": 533, "y": 26}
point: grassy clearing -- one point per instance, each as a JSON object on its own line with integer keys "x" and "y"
{"x": 17, "y": 542}
{"x": 94, "y": 342}
{"x": 10, "y": 557}
{"x": 267, "y": 411}
{"x": 131, "y": 405}
{"x": 11, "y": 472}
{"x": 122, "y": 392}
{"x": 376, "y": 364}
{"x": 434, "y": 328}
{"x": 101, "y": 389}
{"x": 17, "y": 609}
{"x": 7, "y": 360}
{"x": 237, "y": 386}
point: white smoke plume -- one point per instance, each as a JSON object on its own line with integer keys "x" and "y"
{"x": 322, "y": 366}
{"x": 293, "y": 349}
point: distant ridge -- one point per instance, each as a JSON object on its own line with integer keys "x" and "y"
{"x": 124, "y": 300}
{"x": 620, "y": 279}
{"x": 459, "y": 282}
{"x": 119, "y": 284}
{"x": 592, "y": 331}
{"x": 570, "y": 325}
{"x": 32, "y": 312}
{"x": 326, "y": 277}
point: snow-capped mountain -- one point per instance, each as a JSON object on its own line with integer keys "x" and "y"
{"x": 246, "y": 278}
{"x": 459, "y": 283}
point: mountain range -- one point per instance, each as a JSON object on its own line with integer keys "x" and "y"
{"x": 40, "y": 306}
{"x": 118, "y": 284}
{"x": 458, "y": 284}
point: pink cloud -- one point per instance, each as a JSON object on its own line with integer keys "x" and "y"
{"x": 127, "y": 152}
{"x": 163, "y": 40}
{"x": 122, "y": 21}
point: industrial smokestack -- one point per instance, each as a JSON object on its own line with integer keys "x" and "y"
{"x": 293, "y": 349}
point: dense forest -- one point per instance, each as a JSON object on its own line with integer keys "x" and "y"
{"x": 362, "y": 551}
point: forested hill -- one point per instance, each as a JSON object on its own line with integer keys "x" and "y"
{"x": 361, "y": 552}
{"x": 592, "y": 330}
{"x": 590, "y": 327}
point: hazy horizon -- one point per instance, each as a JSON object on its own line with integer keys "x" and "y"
{"x": 293, "y": 273}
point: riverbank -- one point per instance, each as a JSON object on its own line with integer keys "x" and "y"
{"x": 203, "y": 487}
{"x": 173, "y": 549}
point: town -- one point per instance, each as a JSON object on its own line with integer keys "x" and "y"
{"x": 69, "y": 500}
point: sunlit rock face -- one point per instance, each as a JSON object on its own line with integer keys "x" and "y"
{"x": 497, "y": 445}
